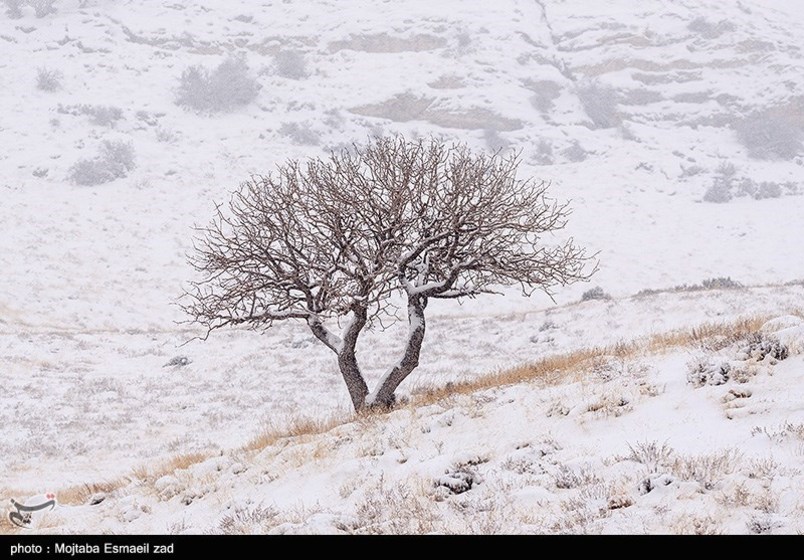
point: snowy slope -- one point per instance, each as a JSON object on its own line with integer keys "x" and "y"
{"x": 620, "y": 444}
{"x": 637, "y": 115}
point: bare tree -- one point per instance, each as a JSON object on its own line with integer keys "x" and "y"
{"x": 340, "y": 237}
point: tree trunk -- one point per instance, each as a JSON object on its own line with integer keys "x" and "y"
{"x": 383, "y": 395}
{"x": 358, "y": 390}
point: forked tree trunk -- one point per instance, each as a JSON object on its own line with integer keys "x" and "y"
{"x": 358, "y": 390}
{"x": 383, "y": 394}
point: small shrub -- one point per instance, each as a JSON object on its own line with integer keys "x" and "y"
{"x": 759, "y": 345}
{"x": 720, "y": 283}
{"x": 42, "y": 8}
{"x": 762, "y": 524}
{"x": 600, "y": 104}
{"x": 596, "y": 293}
{"x": 544, "y": 153}
{"x": 575, "y": 153}
{"x": 13, "y": 8}
{"x": 704, "y": 372}
{"x": 691, "y": 171}
{"x": 225, "y": 88}
{"x": 165, "y": 135}
{"x": 706, "y": 470}
{"x": 719, "y": 192}
{"x": 291, "y": 64}
{"x": 104, "y": 115}
{"x": 494, "y": 141}
{"x": 650, "y": 454}
{"x": 768, "y": 190}
{"x": 567, "y": 478}
{"x": 114, "y": 160}
{"x": 299, "y": 134}
{"x": 709, "y": 30}
{"x": 244, "y": 521}
{"x": 770, "y": 134}
{"x": 101, "y": 115}
{"x": 547, "y": 325}
{"x": 48, "y": 80}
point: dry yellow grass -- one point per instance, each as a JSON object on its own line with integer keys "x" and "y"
{"x": 81, "y": 493}
{"x": 572, "y": 365}
{"x": 148, "y": 474}
{"x": 298, "y": 428}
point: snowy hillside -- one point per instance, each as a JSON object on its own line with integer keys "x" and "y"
{"x": 675, "y": 128}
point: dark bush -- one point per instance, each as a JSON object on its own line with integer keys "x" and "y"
{"x": 225, "y": 88}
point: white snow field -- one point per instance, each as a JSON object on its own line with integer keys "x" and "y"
{"x": 674, "y": 127}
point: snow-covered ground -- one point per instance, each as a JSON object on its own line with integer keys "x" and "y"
{"x": 642, "y": 117}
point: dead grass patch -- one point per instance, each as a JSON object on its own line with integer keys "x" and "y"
{"x": 573, "y": 366}
{"x": 149, "y": 474}
{"x": 81, "y": 494}
{"x": 298, "y": 428}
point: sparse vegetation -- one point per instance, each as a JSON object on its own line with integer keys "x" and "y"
{"x": 575, "y": 152}
{"x": 299, "y": 133}
{"x": 48, "y": 80}
{"x": 41, "y": 8}
{"x": 727, "y": 185}
{"x": 567, "y": 478}
{"x": 774, "y": 133}
{"x": 101, "y": 115}
{"x": 708, "y": 29}
{"x": 600, "y": 103}
{"x": 291, "y": 64}
{"x": 707, "y": 470}
{"x": 758, "y": 346}
{"x": 718, "y": 283}
{"x": 595, "y": 293}
{"x": 115, "y": 160}
{"x": 229, "y": 86}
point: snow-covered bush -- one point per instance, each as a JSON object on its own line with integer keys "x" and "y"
{"x": 225, "y": 88}
{"x": 13, "y": 8}
{"x": 721, "y": 188}
{"x": 48, "y": 80}
{"x": 567, "y": 477}
{"x": 727, "y": 185}
{"x": 600, "y": 103}
{"x": 759, "y": 345}
{"x": 41, "y": 7}
{"x": 114, "y": 160}
{"x": 719, "y": 191}
{"x": 719, "y": 283}
{"x": 575, "y": 153}
{"x": 709, "y": 30}
{"x": 706, "y": 372}
{"x": 595, "y": 293}
{"x": 101, "y": 115}
{"x": 291, "y": 64}
{"x": 248, "y": 520}
{"x": 768, "y": 190}
{"x": 494, "y": 141}
{"x": 706, "y": 470}
{"x": 544, "y": 152}
{"x": 771, "y": 134}
{"x": 299, "y": 133}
